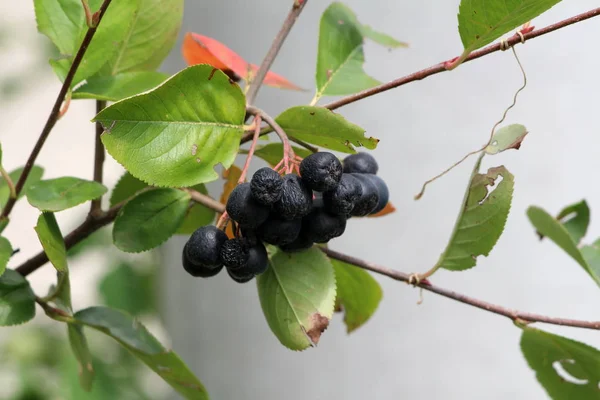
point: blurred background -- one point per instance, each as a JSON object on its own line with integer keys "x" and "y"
{"x": 439, "y": 349}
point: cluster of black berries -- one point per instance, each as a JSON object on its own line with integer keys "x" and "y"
{"x": 292, "y": 212}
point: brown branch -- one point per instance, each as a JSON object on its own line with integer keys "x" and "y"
{"x": 514, "y": 315}
{"x": 99, "y": 157}
{"x": 55, "y": 113}
{"x": 259, "y": 77}
{"x": 207, "y": 201}
{"x": 441, "y": 67}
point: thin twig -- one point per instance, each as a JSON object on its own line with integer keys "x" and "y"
{"x": 441, "y": 67}
{"x": 206, "y": 201}
{"x": 11, "y": 186}
{"x": 259, "y": 77}
{"x": 99, "y": 157}
{"x": 54, "y": 114}
{"x": 257, "y": 121}
{"x": 493, "y": 308}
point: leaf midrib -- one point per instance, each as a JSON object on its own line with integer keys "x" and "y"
{"x": 217, "y": 124}
{"x": 328, "y": 82}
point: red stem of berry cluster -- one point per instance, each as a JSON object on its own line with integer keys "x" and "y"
{"x": 257, "y": 121}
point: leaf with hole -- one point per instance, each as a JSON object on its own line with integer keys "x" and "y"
{"x": 17, "y": 301}
{"x": 567, "y": 369}
{"x": 480, "y": 22}
{"x": 6, "y": 251}
{"x": 548, "y": 226}
{"x": 324, "y": 128}
{"x": 358, "y": 294}
{"x": 135, "y": 337}
{"x": 63, "y": 193}
{"x": 481, "y": 219}
{"x": 273, "y": 153}
{"x": 52, "y": 241}
{"x": 297, "y": 296}
{"x": 341, "y": 55}
{"x": 118, "y": 87}
{"x": 506, "y": 138}
{"x": 175, "y": 134}
{"x": 34, "y": 176}
{"x": 150, "y": 219}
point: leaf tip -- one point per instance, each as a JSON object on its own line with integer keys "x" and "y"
{"x": 318, "y": 325}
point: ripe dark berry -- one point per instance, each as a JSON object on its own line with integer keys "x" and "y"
{"x": 278, "y": 231}
{"x": 369, "y": 198}
{"x": 296, "y": 199}
{"x": 303, "y": 242}
{"x": 258, "y": 261}
{"x": 240, "y": 275}
{"x": 234, "y": 253}
{"x": 342, "y": 199}
{"x": 266, "y": 186}
{"x": 382, "y": 191}
{"x": 243, "y": 209}
{"x": 203, "y": 249}
{"x": 321, "y": 171}
{"x": 320, "y": 226}
{"x": 199, "y": 271}
{"x": 360, "y": 163}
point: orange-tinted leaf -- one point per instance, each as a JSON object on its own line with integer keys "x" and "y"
{"x": 199, "y": 49}
{"x": 388, "y": 209}
{"x": 231, "y": 176}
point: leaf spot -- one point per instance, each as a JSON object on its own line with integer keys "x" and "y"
{"x": 318, "y": 325}
{"x": 194, "y": 149}
{"x": 212, "y": 73}
{"x": 198, "y": 160}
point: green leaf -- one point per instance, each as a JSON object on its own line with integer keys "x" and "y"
{"x": 6, "y": 251}
{"x": 52, "y": 241}
{"x": 549, "y": 227}
{"x": 576, "y": 219}
{"x": 508, "y": 137}
{"x": 197, "y": 215}
{"x": 150, "y": 37}
{"x": 63, "y": 193}
{"x": 150, "y": 219}
{"x": 357, "y": 293}
{"x": 176, "y": 134}
{"x": 341, "y": 55}
{"x": 118, "y": 87}
{"x": 63, "y": 21}
{"x": 136, "y": 338}
{"x": 297, "y": 296}
{"x": 480, "y": 22}
{"x": 17, "y": 301}
{"x": 127, "y": 289}
{"x": 127, "y": 187}
{"x": 481, "y": 219}
{"x": 324, "y": 128}
{"x": 273, "y": 152}
{"x": 567, "y": 369}
{"x": 82, "y": 353}
{"x": 34, "y": 176}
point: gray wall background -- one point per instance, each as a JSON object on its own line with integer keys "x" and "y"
{"x": 439, "y": 349}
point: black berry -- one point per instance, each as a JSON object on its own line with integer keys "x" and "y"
{"x": 296, "y": 199}
{"x": 200, "y": 271}
{"x": 342, "y": 199}
{"x": 278, "y": 231}
{"x": 320, "y": 226}
{"x": 240, "y": 275}
{"x": 321, "y": 171}
{"x": 203, "y": 249}
{"x": 266, "y": 186}
{"x": 235, "y": 253}
{"x": 360, "y": 163}
{"x": 369, "y": 198}
{"x": 303, "y": 242}
{"x": 243, "y": 209}
{"x": 258, "y": 260}
{"x": 382, "y": 191}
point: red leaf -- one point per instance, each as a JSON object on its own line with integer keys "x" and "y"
{"x": 199, "y": 49}
{"x": 388, "y": 209}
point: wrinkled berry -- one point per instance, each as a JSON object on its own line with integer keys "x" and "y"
{"x": 278, "y": 231}
{"x": 301, "y": 243}
{"x": 258, "y": 260}
{"x": 203, "y": 249}
{"x": 360, "y": 163}
{"x": 369, "y": 198}
{"x": 241, "y": 275}
{"x": 341, "y": 201}
{"x": 320, "y": 226}
{"x": 234, "y": 253}
{"x": 321, "y": 171}
{"x": 243, "y": 209}
{"x": 266, "y": 186}
{"x": 199, "y": 271}
{"x": 296, "y": 199}
{"x": 382, "y": 191}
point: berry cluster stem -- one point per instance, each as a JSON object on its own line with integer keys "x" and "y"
{"x": 257, "y": 121}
